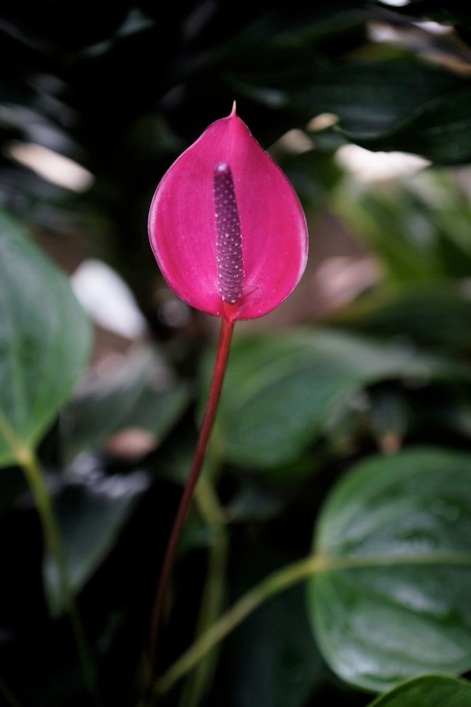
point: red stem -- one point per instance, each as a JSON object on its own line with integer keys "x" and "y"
{"x": 222, "y": 356}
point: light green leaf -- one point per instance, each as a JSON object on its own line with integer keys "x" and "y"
{"x": 44, "y": 341}
{"x": 394, "y": 600}
{"x": 428, "y": 691}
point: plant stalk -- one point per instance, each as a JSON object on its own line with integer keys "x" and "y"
{"x": 276, "y": 582}
{"x": 222, "y": 357}
{"x": 212, "y": 596}
{"x": 26, "y": 458}
{"x": 36, "y": 481}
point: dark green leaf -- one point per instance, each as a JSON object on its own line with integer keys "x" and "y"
{"x": 271, "y": 659}
{"x": 91, "y": 513}
{"x": 138, "y": 393}
{"x": 437, "y": 315}
{"x": 275, "y": 661}
{"x": 439, "y": 130}
{"x": 371, "y": 97}
{"x": 428, "y": 691}
{"x": 393, "y": 600}
{"x": 281, "y": 391}
{"x": 44, "y": 340}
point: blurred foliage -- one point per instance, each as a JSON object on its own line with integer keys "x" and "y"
{"x": 123, "y": 95}
{"x": 355, "y": 429}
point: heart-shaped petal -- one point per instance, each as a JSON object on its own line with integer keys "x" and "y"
{"x": 226, "y": 226}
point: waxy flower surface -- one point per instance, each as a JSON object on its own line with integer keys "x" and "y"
{"x": 226, "y": 226}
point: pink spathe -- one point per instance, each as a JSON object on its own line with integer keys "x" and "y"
{"x": 273, "y": 232}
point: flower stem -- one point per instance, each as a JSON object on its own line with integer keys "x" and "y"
{"x": 211, "y": 601}
{"x": 276, "y": 582}
{"x": 222, "y": 356}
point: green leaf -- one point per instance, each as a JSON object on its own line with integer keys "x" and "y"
{"x": 281, "y": 392}
{"x": 45, "y": 341}
{"x": 440, "y": 130}
{"x": 92, "y": 512}
{"x": 428, "y": 691}
{"x": 138, "y": 393}
{"x": 274, "y": 660}
{"x": 429, "y": 314}
{"x": 393, "y": 601}
{"x": 372, "y": 97}
{"x": 390, "y": 221}
{"x": 385, "y": 99}
{"x": 417, "y": 226}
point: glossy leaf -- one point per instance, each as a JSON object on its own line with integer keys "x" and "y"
{"x": 282, "y": 392}
{"x": 44, "y": 340}
{"x": 428, "y": 691}
{"x": 393, "y": 600}
{"x": 271, "y": 232}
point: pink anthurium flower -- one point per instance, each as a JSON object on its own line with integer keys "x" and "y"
{"x": 226, "y": 226}
{"x": 230, "y": 237}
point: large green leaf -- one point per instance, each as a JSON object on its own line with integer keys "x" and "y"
{"x": 281, "y": 391}
{"x": 44, "y": 340}
{"x": 371, "y": 97}
{"x": 393, "y": 600}
{"x": 384, "y": 100}
{"x": 428, "y": 691}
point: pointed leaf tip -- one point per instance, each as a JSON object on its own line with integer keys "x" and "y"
{"x": 269, "y": 256}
